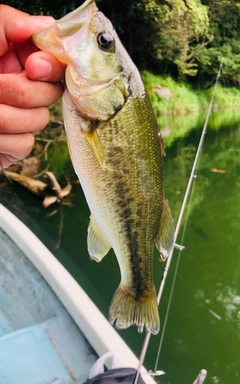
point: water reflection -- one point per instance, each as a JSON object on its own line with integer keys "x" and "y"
{"x": 230, "y": 299}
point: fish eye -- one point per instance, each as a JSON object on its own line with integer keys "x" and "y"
{"x": 106, "y": 41}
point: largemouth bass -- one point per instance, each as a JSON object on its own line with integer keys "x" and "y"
{"x": 117, "y": 153}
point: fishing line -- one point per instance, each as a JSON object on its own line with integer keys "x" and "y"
{"x": 236, "y": 153}
{"x": 236, "y": 283}
{"x": 166, "y": 269}
{"x": 174, "y": 276}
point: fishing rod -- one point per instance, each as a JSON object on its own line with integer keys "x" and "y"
{"x": 180, "y": 247}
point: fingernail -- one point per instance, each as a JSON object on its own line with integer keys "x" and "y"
{"x": 44, "y": 21}
{"x": 42, "y": 69}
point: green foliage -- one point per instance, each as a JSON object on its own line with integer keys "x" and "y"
{"x": 224, "y": 19}
{"x": 180, "y": 32}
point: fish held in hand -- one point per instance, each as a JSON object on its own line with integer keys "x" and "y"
{"x": 117, "y": 153}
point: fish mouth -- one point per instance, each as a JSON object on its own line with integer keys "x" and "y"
{"x": 58, "y": 38}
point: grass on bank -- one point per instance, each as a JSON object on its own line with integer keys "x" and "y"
{"x": 187, "y": 107}
{"x": 186, "y": 99}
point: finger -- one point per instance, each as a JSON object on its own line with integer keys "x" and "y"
{"x": 23, "y": 50}
{"x": 17, "y": 26}
{"x": 9, "y": 63}
{"x": 18, "y": 91}
{"x": 19, "y": 120}
{"x": 14, "y": 148}
{"x": 43, "y": 66}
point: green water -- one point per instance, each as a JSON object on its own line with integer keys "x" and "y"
{"x": 203, "y": 328}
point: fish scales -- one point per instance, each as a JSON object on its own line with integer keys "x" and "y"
{"x": 117, "y": 154}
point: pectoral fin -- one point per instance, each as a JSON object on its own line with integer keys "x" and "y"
{"x": 165, "y": 238}
{"x": 98, "y": 246}
{"x": 96, "y": 145}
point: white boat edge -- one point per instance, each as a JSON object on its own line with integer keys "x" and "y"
{"x": 100, "y": 334}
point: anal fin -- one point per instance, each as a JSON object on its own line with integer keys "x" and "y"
{"x": 98, "y": 245}
{"x": 165, "y": 238}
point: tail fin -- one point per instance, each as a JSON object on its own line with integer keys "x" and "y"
{"x": 128, "y": 309}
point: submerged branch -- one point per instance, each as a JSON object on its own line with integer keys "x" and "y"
{"x": 50, "y": 192}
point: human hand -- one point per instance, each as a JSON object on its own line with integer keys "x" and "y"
{"x": 29, "y": 82}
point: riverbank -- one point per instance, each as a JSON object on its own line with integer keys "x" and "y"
{"x": 181, "y": 98}
{"x": 179, "y": 107}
